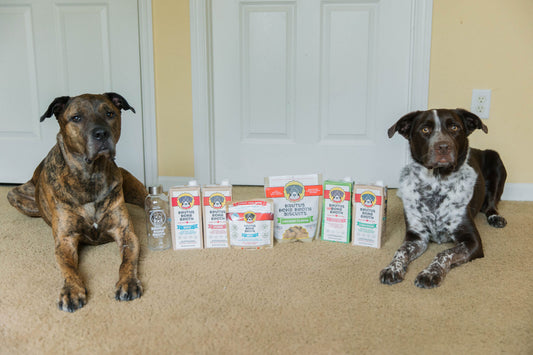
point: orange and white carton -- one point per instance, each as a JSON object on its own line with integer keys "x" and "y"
{"x": 214, "y": 201}
{"x": 186, "y": 216}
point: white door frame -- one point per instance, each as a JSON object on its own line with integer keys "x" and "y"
{"x": 202, "y": 77}
{"x": 148, "y": 91}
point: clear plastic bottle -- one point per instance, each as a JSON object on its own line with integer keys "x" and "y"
{"x": 157, "y": 226}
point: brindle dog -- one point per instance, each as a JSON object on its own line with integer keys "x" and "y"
{"x": 81, "y": 193}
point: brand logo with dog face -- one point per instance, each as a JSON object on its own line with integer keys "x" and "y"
{"x": 368, "y": 199}
{"x": 337, "y": 195}
{"x": 294, "y": 191}
{"x": 158, "y": 218}
{"x": 249, "y": 217}
{"x": 185, "y": 201}
{"x": 217, "y": 200}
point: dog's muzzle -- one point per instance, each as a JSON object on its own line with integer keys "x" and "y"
{"x": 443, "y": 155}
{"x": 100, "y": 143}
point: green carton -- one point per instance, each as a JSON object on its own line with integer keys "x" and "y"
{"x": 337, "y": 211}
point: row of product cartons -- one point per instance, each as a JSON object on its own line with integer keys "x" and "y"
{"x": 206, "y": 217}
{"x": 198, "y": 215}
{"x": 354, "y": 213}
{"x": 297, "y": 208}
{"x": 304, "y": 206}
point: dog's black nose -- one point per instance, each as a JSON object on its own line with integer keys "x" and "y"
{"x": 443, "y": 148}
{"x": 100, "y": 134}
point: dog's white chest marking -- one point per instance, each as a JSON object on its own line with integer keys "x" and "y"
{"x": 434, "y": 207}
{"x": 90, "y": 214}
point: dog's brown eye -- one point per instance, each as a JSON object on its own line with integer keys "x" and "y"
{"x": 75, "y": 118}
{"x": 110, "y": 114}
{"x": 426, "y": 130}
{"x": 454, "y": 128}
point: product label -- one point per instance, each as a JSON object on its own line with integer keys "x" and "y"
{"x": 368, "y": 216}
{"x": 250, "y": 224}
{"x": 186, "y": 218}
{"x": 296, "y": 205}
{"x": 158, "y": 219}
{"x": 186, "y": 201}
{"x": 215, "y": 230}
{"x": 337, "y": 216}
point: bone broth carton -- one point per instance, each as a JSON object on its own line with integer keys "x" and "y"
{"x": 337, "y": 211}
{"x": 214, "y": 201}
{"x": 250, "y": 224}
{"x": 297, "y": 206}
{"x": 369, "y": 214}
{"x": 186, "y": 216}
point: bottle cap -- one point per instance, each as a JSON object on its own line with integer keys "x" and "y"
{"x": 193, "y": 183}
{"x": 155, "y": 190}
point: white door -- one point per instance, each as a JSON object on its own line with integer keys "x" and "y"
{"x": 309, "y": 86}
{"x": 50, "y": 49}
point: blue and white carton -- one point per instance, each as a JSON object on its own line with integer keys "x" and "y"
{"x": 186, "y": 216}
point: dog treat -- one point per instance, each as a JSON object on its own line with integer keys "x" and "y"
{"x": 250, "y": 224}
{"x": 337, "y": 211}
{"x": 369, "y": 214}
{"x": 186, "y": 215}
{"x": 214, "y": 200}
{"x": 297, "y": 206}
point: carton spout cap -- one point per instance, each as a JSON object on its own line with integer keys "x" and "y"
{"x": 224, "y": 182}
{"x": 193, "y": 183}
{"x": 380, "y": 183}
{"x": 348, "y": 179}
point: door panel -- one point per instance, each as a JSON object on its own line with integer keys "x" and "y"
{"x": 309, "y": 86}
{"x": 267, "y": 57}
{"x": 346, "y": 67}
{"x": 50, "y": 49}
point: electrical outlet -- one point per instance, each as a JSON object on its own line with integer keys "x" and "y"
{"x": 481, "y": 103}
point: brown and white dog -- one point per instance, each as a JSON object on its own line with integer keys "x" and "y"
{"x": 442, "y": 190}
{"x": 81, "y": 193}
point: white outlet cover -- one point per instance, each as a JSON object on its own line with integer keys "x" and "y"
{"x": 481, "y": 103}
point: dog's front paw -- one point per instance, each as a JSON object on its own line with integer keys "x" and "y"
{"x": 392, "y": 274}
{"x": 429, "y": 279}
{"x": 72, "y": 298}
{"x": 128, "y": 289}
{"x": 497, "y": 221}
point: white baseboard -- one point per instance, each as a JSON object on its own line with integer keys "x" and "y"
{"x": 518, "y": 192}
{"x": 169, "y": 181}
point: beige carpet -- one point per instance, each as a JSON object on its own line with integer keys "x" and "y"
{"x": 316, "y": 298}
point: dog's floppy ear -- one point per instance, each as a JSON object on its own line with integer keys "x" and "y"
{"x": 119, "y": 101}
{"x": 404, "y": 124}
{"x": 471, "y": 121}
{"x": 56, "y": 107}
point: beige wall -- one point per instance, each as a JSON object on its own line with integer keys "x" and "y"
{"x": 488, "y": 44}
{"x": 173, "y": 96}
{"x": 476, "y": 44}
